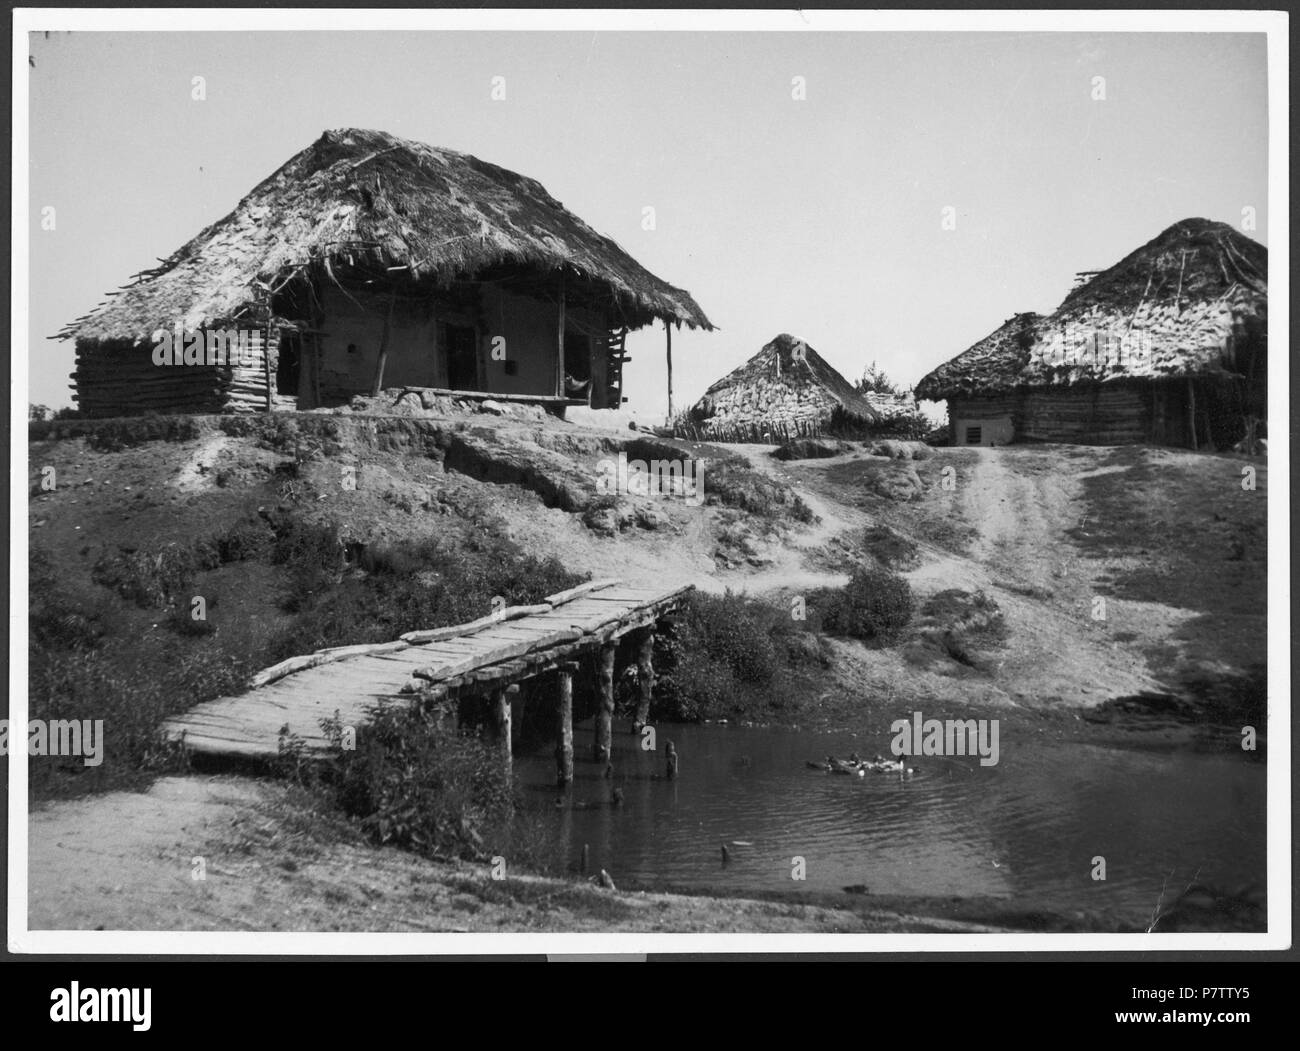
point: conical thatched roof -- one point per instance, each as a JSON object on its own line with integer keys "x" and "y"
{"x": 1181, "y": 305}
{"x": 786, "y": 364}
{"x": 394, "y": 205}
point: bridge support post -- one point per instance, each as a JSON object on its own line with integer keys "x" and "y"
{"x": 605, "y": 702}
{"x": 501, "y": 719}
{"x": 516, "y": 712}
{"x": 645, "y": 668}
{"x": 564, "y": 727}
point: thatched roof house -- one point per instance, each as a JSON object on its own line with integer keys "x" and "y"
{"x": 368, "y": 261}
{"x": 1168, "y": 345}
{"x": 786, "y": 389}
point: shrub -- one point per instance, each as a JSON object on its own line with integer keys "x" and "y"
{"x": 246, "y": 540}
{"x": 56, "y": 618}
{"x": 889, "y": 547}
{"x": 131, "y": 697}
{"x": 875, "y": 605}
{"x": 415, "y": 784}
{"x": 726, "y": 655}
{"x": 409, "y": 586}
{"x": 154, "y": 579}
{"x": 732, "y": 482}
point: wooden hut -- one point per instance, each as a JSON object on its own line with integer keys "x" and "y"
{"x": 1169, "y": 345}
{"x": 786, "y": 389}
{"x": 368, "y": 262}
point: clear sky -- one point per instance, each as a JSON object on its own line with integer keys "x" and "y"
{"x": 820, "y": 217}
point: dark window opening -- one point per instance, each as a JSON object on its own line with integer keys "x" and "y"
{"x": 462, "y": 357}
{"x": 974, "y": 435}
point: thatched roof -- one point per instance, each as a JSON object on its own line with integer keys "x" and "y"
{"x": 357, "y": 196}
{"x": 792, "y": 362}
{"x": 991, "y": 366}
{"x": 1181, "y": 305}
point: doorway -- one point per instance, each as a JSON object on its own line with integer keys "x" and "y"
{"x": 289, "y": 368}
{"x": 462, "y": 357}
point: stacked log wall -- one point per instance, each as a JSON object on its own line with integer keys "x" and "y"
{"x": 1086, "y": 414}
{"x": 121, "y": 379}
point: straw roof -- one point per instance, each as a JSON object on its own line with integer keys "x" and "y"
{"x": 1182, "y": 305}
{"x": 790, "y": 362}
{"x": 357, "y": 197}
{"x": 992, "y": 366}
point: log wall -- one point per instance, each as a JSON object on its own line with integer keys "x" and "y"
{"x": 1082, "y": 414}
{"x": 1086, "y": 414}
{"x": 121, "y": 379}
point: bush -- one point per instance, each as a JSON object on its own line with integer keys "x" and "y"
{"x": 131, "y": 698}
{"x": 57, "y": 619}
{"x": 731, "y": 481}
{"x": 154, "y": 580}
{"x": 415, "y": 784}
{"x": 409, "y": 586}
{"x": 727, "y": 655}
{"x": 875, "y": 605}
{"x": 890, "y": 548}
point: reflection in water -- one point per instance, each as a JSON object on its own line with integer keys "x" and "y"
{"x": 1026, "y": 829}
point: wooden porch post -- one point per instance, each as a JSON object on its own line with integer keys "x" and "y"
{"x": 559, "y": 347}
{"x": 564, "y": 726}
{"x": 383, "y": 348}
{"x": 668, "y": 330}
{"x": 605, "y": 702}
{"x": 266, "y": 366}
{"x": 645, "y": 678}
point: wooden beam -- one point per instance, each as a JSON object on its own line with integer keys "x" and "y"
{"x": 515, "y": 704}
{"x": 668, "y": 329}
{"x": 501, "y": 720}
{"x": 564, "y": 726}
{"x": 378, "y": 384}
{"x": 645, "y": 678}
{"x": 266, "y": 367}
{"x": 559, "y": 350}
{"x": 605, "y": 703}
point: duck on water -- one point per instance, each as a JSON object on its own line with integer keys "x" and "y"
{"x": 853, "y": 765}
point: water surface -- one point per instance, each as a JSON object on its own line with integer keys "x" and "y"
{"x": 1025, "y": 830}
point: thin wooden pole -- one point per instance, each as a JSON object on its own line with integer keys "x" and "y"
{"x": 1191, "y": 410}
{"x": 383, "y": 348}
{"x": 668, "y": 329}
{"x": 564, "y": 727}
{"x": 559, "y": 347}
{"x": 266, "y": 367}
{"x": 516, "y": 701}
{"x": 645, "y": 668}
{"x": 501, "y": 720}
{"x": 605, "y": 702}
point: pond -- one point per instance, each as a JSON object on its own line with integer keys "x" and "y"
{"x": 1025, "y": 830}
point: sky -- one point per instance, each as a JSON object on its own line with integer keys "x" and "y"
{"x": 820, "y": 216}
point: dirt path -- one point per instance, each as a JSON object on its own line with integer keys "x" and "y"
{"x": 1020, "y": 504}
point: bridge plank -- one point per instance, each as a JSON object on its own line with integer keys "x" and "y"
{"x": 357, "y": 680}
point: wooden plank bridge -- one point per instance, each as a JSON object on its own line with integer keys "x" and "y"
{"x": 485, "y": 659}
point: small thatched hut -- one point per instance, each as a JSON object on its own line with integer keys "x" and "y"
{"x": 368, "y": 262}
{"x": 1169, "y": 345}
{"x": 786, "y": 389}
